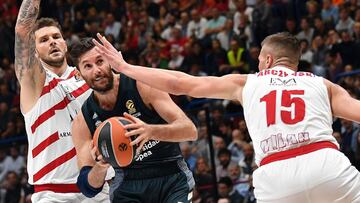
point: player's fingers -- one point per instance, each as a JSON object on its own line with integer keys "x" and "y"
{"x": 137, "y": 140}
{"x": 133, "y": 126}
{"x": 105, "y": 42}
{"x": 134, "y": 132}
{"x": 132, "y": 118}
{"x": 98, "y": 45}
{"x": 139, "y": 148}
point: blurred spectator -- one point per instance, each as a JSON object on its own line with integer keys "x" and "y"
{"x": 356, "y": 32}
{"x": 215, "y": 58}
{"x": 184, "y": 22}
{"x": 224, "y": 157}
{"x": 3, "y": 167}
{"x": 248, "y": 163}
{"x": 243, "y": 11}
{"x": 197, "y": 26}
{"x": 170, "y": 24}
{"x": 290, "y": 26}
{"x": 112, "y": 26}
{"x": 252, "y": 59}
{"x": 200, "y": 148}
{"x": 238, "y": 140}
{"x": 346, "y": 49}
{"x": 236, "y": 58}
{"x": 188, "y": 156}
{"x": 215, "y": 24}
{"x": 219, "y": 143}
{"x": 13, "y": 190}
{"x": 203, "y": 177}
{"x": 226, "y": 190}
{"x": 5, "y": 94}
{"x": 243, "y": 32}
{"x": 320, "y": 28}
{"x": 15, "y": 162}
{"x": 312, "y": 11}
{"x": 345, "y": 22}
{"x": 306, "y": 31}
{"x": 261, "y": 21}
{"x": 226, "y": 35}
{"x": 318, "y": 60}
{"x": 329, "y": 13}
{"x": 349, "y": 134}
{"x": 239, "y": 179}
{"x": 306, "y": 53}
{"x": 176, "y": 61}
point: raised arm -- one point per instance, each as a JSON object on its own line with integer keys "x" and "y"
{"x": 174, "y": 82}
{"x": 28, "y": 69}
{"x": 342, "y": 104}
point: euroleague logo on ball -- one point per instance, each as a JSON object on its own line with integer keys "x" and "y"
{"x": 122, "y": 147}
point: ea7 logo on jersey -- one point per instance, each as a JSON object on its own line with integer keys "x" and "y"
{"x": 282, "y": 81}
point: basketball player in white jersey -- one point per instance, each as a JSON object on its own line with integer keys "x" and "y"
{"x": 289, "y": 117}
{"x": 51, "y": 94}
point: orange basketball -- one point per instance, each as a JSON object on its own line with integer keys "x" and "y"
{"x": 112, "y": 144}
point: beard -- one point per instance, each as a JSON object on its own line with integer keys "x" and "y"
{"x": 106, "y": 87}
{"x": 54, "y": 62}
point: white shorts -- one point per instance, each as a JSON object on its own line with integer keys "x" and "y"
{"x": 52, "y": 197}
{"x": 325, "y": 175}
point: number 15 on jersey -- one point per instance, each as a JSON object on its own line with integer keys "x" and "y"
{"x": 288, "y": 98}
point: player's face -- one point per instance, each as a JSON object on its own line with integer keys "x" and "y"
{"x": 96, "y": 71}
{"x": 50, "y": 46}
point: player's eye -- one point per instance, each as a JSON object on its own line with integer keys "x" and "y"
{"x": 99, "y": 62}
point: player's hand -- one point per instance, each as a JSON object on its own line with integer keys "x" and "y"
{"x": 140, "y": 129}
{"x": 98, "y": 158}
{"x": 107, "y": 50}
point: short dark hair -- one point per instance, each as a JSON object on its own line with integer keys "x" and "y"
{"x": 78, "y": 48}
{"x": 284, "y": 45}
{"x": 224, "y": 151}
{"x": 227, "y": 181}
{"x": 46, "y": 22}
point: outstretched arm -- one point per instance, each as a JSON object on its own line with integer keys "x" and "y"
{"x": 27, "y": 67}
{"x": 174, "y": 82}
{"x": 342, "y": 104}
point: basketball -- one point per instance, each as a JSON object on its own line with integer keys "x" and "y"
{"x": 112, "y": 144}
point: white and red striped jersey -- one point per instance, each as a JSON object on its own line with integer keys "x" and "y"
{"x": 51, "y": 155}
{"x": 284, "y": 109}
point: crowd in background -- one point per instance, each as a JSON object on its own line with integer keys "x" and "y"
{"x": 199, "y": 37}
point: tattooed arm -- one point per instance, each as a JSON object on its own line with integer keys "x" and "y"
{"x": 29, "y": 71}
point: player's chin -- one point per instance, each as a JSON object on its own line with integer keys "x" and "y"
{"x": 101, "y": 87}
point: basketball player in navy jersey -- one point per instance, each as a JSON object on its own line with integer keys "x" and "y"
{"x": 159, "y": 172}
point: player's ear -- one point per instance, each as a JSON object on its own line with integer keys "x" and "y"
{"x": 269, "y": 61}
{"x": 36, "y": 53}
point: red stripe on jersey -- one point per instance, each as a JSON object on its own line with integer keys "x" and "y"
{"x": 72, "y": 74}
{"x": 48, "y": 141}
{"x": 80, "y": 90}
{"x": 55, "y": 163}
{"x": 58, "y": 188}
{"x": 51, "y": 85}
{"x": 61, "y": 105}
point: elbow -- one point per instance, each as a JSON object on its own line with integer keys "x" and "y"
{"x": 21, "y": 31}
{"x": 179, "y": 86}
{"x": 193, "y": 135}
{"x": 175, "y": 87}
